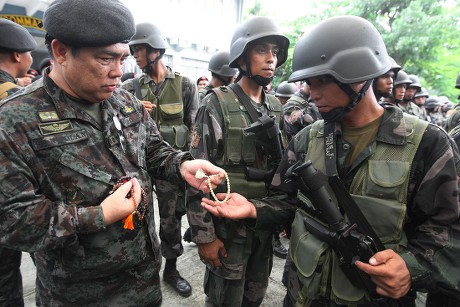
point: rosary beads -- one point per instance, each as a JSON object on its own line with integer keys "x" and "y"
{"x": 128, "y": 222}
{"x": 200, "y": 175}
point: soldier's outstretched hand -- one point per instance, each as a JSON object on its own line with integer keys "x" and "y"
{"x": 236, "y": 207}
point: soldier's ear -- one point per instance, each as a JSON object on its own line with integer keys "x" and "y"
{"x": 61, "y": 51}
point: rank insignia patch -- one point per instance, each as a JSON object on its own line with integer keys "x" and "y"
{"x": 126, "y": 110}
{"x": 49, "y": 116}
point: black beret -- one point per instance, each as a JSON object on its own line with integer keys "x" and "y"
{"x": 89, "y": 23}
{"x": 15, "y": 37}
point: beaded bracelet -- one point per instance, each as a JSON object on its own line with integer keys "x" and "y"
{"x": 200, "y": 175}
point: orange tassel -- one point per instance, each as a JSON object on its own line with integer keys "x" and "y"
{"x": 128, "y": 222}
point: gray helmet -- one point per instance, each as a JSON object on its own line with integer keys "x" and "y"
{"x": 457, "y": 83}
{"x": 431, "y": 103}
{"x": 147, "y": 33}
{"x": 415, "y": 81}
{"x": 15, "y": 37}
{"x": 422, "y": 93}
{"x": 349, "y": 48}
{"x": 402, "y": 78}
{"x": 286, "y": 89}
{"x": 218, "y": 64}
{"x": 395, "y": 67}
{"x": 253, "y": 29}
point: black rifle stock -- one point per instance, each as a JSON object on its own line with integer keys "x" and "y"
{"x": 347, "y": 242}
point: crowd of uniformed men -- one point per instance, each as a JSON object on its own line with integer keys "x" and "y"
{"x": 84, "y": 150}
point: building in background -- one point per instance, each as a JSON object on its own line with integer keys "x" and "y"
{"x": 195, "y": 29}
{"x": 29, "y": 14}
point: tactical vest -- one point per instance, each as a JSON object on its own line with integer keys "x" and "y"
{"x": 5, "y": 87}
{"x": 240, "y": 147}
{"x": 169, "y": 111}
{"x": 380, "y": 190}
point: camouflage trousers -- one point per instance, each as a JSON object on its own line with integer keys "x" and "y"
{"x": 171, "y": 208}
{"x": 10, "y": 278}
{"x": 243, "y": 278}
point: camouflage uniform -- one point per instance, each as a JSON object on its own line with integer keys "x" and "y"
{"x": 58, "y": 164}
{"x": 412, "y": 108}
{"x": 10, "y": 273}
{"x": 243, "y": 278}
{"x": 298, "y": 112}
{"x": 432, "y": 204}
{"x": 171, "y": 199}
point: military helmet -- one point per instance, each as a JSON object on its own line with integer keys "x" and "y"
{"x": 15, "y": 37}
{"x": 147, "y": 33}
{"x": 253, "y": 29}
{"x": 395, "y": 67}
{"x": 422, "y": 93}
{"x": 432, "y": 102}
{"x": 218, "y": 64}
{"x": 286, "y": 89}
{"x": 402, "y": 78}
{"x": 457, "y": 83}
{"x": 415, "y": 82}
{"x": 349, "y": 48}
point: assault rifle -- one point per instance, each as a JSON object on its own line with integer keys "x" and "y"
{"x": 268, "y": 135}
{"x": 345, "y": 239}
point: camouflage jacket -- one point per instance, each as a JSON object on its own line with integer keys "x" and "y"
{"x": 412, "y": 108}
{"x": 298, "y": 113}
{"x": 57, "y": 165}
{"x": 432, "y": 226}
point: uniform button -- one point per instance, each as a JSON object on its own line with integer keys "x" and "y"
{"x": 346, "y": 146}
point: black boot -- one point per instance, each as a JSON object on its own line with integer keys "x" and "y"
{"x": 278, "y": 248}
{"x": 172, "y": 277}
{"x": 188, "y": 235}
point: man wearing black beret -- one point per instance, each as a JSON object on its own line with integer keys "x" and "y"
{"x": 78, "y": 156}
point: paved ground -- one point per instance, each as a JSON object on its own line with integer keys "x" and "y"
{"x": 190, "y": 267}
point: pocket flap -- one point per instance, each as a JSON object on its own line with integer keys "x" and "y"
{"x": 388, "y": 173}
{"x": 306, "y": 250}
{"x": 171, "y": 108}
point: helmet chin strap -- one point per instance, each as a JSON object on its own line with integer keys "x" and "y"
{"x": 148, "y": 67}
{"x": 337, "y": 113}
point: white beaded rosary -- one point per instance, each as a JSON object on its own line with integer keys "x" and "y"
{"x": 200, "y": 175}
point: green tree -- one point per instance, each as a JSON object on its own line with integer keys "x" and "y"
{"x": 421, "y": 35}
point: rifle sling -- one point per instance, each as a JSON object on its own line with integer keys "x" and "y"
{"x": 243, "y": 98}
{"x": 137, "y": 88}
{"x": 343, "y": 196}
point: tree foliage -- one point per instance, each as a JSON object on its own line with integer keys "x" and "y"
{"x": 421, "y": 35}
